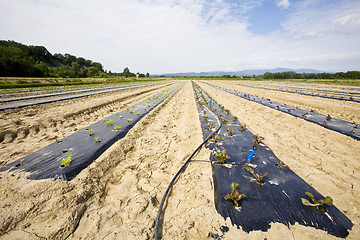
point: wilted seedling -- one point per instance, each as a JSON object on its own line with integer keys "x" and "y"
{"x": 227, "y": 111}
{"x": 281, "y": 165}
{"x": 66, "y": 161}
{"x": 230, "y": 131}
{"x": 129, "y": 119}
{"x": 243, "y": 126}
{"x": 117, "y": 127}
{"x": 221, "y": 157}
{"x": 328, "y": 118}
{"x": 258, "y": 177}
{"x": 235, "y": 196}
{"x": 206, "y": 117}
{"x": 257, "y": 139}
{"x": 221, "y": 115}
{"x": 235, "y": 118}
{"x": 215, "y": 138}
{"x": 110, "y": 122}
{"x": 319, "y": 203}
{"x": 224, "y": 121}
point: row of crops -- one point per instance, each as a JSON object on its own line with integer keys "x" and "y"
{"x": 351, "y": 129}
{"x": 252, "y": 186}
{"x": 17, "y": 102}
{"x": 65, "y": 158}
{"x": 345, "y": 94}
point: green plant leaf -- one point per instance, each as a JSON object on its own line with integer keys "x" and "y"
{"x": 311, "y": 196}
{"x": 307, "y": 203}
{"x": 328, "y": 201}
{"x": 234, "y": 185}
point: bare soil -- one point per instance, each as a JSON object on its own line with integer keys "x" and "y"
{"x": 118, "y": 195}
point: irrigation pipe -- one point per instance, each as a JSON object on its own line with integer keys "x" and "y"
{"x": 157, "y": 224}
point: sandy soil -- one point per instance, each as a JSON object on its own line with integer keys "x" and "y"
{"x": 346, "y": 110}
{"x": 34, "y": 127}
{"x": 117, "y": 197}
{"x": 327, "y": 160}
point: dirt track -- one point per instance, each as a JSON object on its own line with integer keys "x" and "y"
{"x": 117, "y": 197}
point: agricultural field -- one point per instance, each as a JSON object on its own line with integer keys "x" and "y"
{"x": 155, "y": 129}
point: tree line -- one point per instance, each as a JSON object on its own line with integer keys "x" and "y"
{"x": 19, "y": 60}
{"x": 295, "y": 75}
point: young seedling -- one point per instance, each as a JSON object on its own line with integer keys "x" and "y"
{"x": 138, "y": 113}
{"x": 281, "y": 165}
{"x": 206, "y": 117}
{"x": 91, "y": 132}
{"x": 21, "y": 161}
{"x": 243, "y": 127}
{"x": 117, "y": 127}
{"x": 258, "y": 177}
{"x": 210, "y": 126}
{"x": 97, "y": 139}
{"x": 257, "y": 139}
{"x": 66, "y": 161}
{"x": 110, "y": 122}
{"x": 230, "y": 131}
{"x": 328, "y": 118}
{"x": 221, "y": 115}
{"x": 215, "y": 138}
{"x": 227, "y": 111}
{"x": 129, "y": 119}
{"x": 131, "y": 111}
{"x": 235, "y": 118}
{"x": 214, "y": 109}
{"x": 224, "y": 121}
{"x": 121, "y": 117}
{"x": 221, "y": 157}
{"x": 235, "y": 196}
{"x": 127, "y": 109}
{"x": 319, "y": 203}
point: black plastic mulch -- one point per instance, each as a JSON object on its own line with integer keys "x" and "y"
{"x": 82, "y": 145}
{"x": 338, "y": 125}
{"x": 279, "y": 200}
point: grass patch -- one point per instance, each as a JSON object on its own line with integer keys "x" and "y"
{"x": 9, "y": 83}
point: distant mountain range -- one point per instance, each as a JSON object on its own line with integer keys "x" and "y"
{"x": 248, "y": 72}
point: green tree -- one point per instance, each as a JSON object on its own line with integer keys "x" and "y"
{"x": 126, "y": 72}
{"x": 93, "y": 72}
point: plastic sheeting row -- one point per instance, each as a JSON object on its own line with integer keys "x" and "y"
{"x": 62, "y": 98}
{"x": 65, "y": 158}
{"x": 278, "y": 199}
{"x": 338, "y": 125}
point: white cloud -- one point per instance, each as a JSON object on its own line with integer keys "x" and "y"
{"x": 283, "y": 4}
{"x": 159, "y": 36}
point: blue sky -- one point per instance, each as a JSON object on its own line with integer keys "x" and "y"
{"x": 168, "y": 36}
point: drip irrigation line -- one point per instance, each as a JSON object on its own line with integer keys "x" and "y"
{"x": 157, "y": 224}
